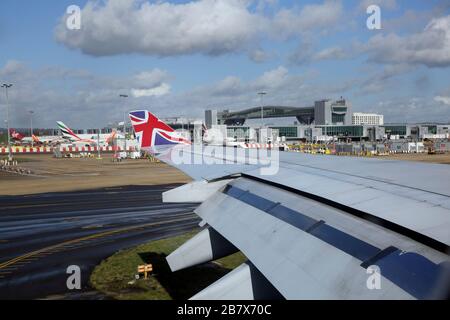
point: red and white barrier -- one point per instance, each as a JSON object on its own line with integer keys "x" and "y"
{"x": 28, "y": 150}
{"x": 15, "y": 150}
{"x": 260, "y": 146}
{"x": 95, "y": 149}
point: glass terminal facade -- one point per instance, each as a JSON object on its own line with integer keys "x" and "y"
{"x": 396, "y": 130}
{"x": 343, "y": 131}
{"x": 288, "y": 132}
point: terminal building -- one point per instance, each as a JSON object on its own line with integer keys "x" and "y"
{"x": 327, "y": 117}
{"x": 326, "y": 120}
{"x": 417, "y": 131}
{"x": 359, "y": 118}
{"x": 239, "y": 118}
{"x": 324, "y": 112}
{"x": 328, "y": 112}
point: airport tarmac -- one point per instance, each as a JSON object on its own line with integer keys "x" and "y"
{"x": 443, "y": 158}
{"x": 42, "y": 235}
{"x": 54, "y": 175}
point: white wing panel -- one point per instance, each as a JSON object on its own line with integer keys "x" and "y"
{"x": 426, "y": 218}
{"x": 299, "y": 265}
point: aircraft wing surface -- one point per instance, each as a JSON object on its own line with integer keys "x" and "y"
{"x": 311, "y": 226}
{"x": 315, "y": 228}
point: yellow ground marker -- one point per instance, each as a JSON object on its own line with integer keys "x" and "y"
{"x": 145, "y": 269}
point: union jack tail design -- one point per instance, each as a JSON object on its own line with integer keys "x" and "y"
{"x": 150, "y": 131}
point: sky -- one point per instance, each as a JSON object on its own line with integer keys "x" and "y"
{"x": 179, "y": 58}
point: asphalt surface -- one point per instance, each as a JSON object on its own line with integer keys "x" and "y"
{"x": 42, "y": 235}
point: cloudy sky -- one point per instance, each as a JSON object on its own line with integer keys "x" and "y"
{"x": 178, "y": 58}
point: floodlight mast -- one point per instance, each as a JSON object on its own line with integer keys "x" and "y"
{"x": 7, "y": 86}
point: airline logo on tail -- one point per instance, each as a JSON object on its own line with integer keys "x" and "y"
{"x": 111, "y": 138}
{"x": 16, "y": 135}
{"x": 66, "y": 131}
{"x": 150, "y": 131}
{"x": 35, "y": 139}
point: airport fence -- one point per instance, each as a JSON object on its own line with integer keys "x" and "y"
{"x": 37, "y": 150}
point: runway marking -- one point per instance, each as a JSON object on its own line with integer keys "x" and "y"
{"x": 20, "y": 260}
{"x": 94, "y": 227}
{"x": 53, "y": 204}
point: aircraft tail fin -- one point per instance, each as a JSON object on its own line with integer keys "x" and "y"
{"x": 16, "y": 135}
{"x": 151, "y": 131}
{"x": 111, "y": 137}
{"x": 66, "y": 131}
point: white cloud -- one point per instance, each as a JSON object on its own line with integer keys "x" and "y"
{"x": 150, "y": 77}
{"x": 78, "y": 96}
{"x": 380, "y": 81}
{"x": 12, "y": 67}
{"x": 211, "y": 27}
{"x": 305, "y": 53}
{"x": 229, "y": 86}
{"x": 409, "y": 21}
{"x": 442, "y": 99}
{"x": 289, "y": 22}
{"x": 430, "y": 47}
{"x": 272, "y": 79}
{"x": 281, "y": 86}
{"x": 259, "y": 55}
{"x": 330, "y": 53}
{"x": 233, "y": 87}
{"x": 413, "y": 109}
{"x": 85, "y": 99}
{"x": 162, "y": 90}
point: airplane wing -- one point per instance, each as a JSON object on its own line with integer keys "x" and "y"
{"x": 315, "y": 227}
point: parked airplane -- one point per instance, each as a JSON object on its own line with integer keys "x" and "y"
{"x": 35, "y": 139}
{"x": 316, "y": 228}
{"x": 88, "y": 139}
{"x": 216, "y": 137}
{"x": 45, "y": 139}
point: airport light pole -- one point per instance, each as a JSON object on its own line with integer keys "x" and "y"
{"x": 99, "y": 156}
{"x": 7, "y": 86}
{"x": 262, "y": 94}
{"x": 124, "y": 125}
{"x": 31, "y": 127}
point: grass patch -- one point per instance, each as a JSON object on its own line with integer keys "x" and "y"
{"x": 114, "y": 275}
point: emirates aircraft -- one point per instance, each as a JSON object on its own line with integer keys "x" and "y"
{"x": 88, "y": 139}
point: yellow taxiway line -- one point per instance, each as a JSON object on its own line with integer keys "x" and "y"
{"x": 50, "y": 249}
